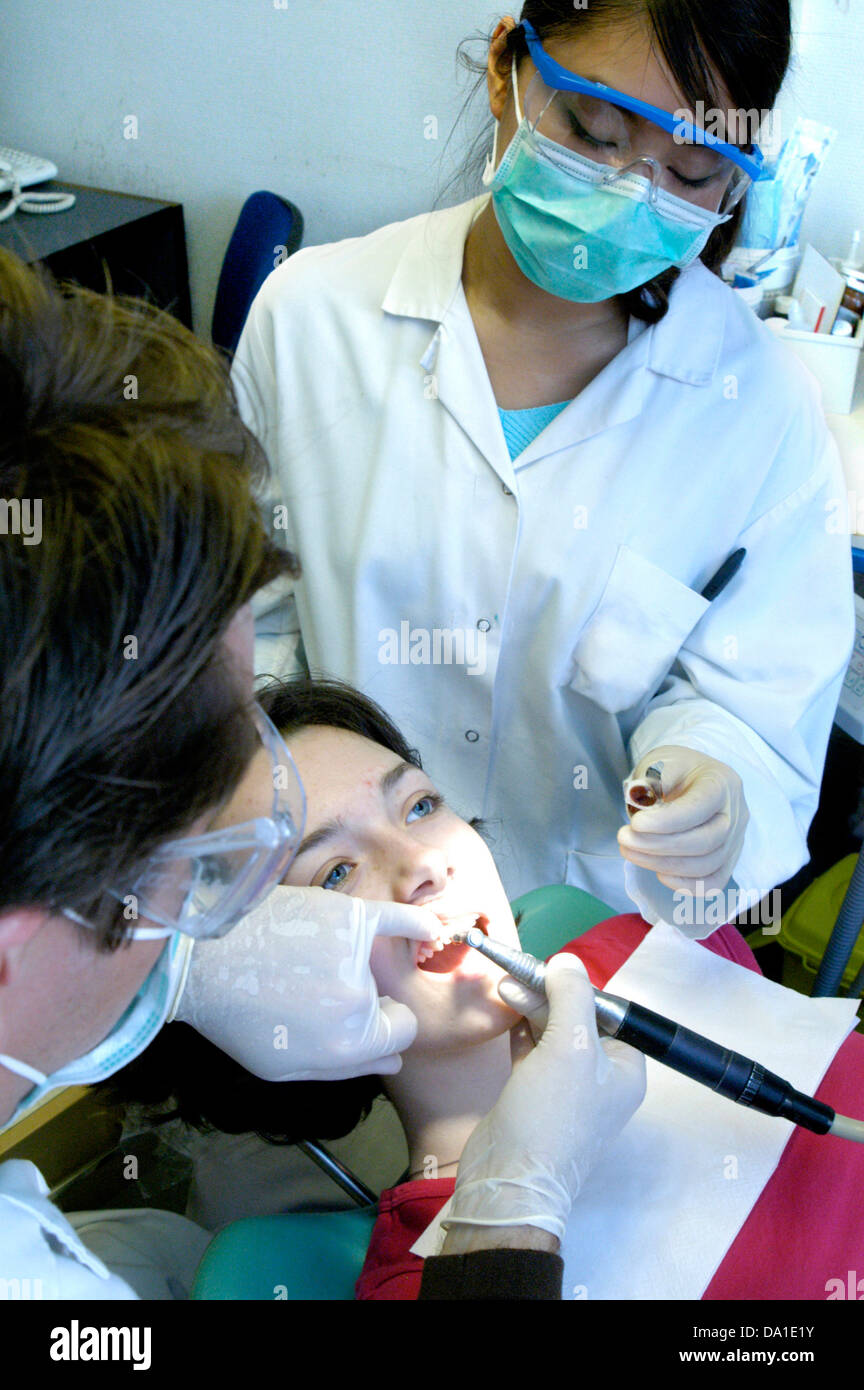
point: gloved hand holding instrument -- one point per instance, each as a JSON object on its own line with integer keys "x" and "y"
{"x": 567, "y": 1098}
{"x": 688, "y": 819}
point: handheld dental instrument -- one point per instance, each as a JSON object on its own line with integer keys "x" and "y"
{"x": 728, "y": 1073}
{"x": 642, "y": 792}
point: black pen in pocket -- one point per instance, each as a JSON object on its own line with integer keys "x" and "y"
{"x": 724, "y": 575}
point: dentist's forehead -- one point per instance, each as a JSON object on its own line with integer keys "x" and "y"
{"x": 627, "y": 57}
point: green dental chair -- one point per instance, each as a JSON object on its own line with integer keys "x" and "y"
{"x": 317, "y": 1256}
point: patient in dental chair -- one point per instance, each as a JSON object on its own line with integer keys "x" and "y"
{"x": 389, "y": 835}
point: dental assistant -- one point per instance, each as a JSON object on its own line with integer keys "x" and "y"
{"x": 516, "y": 440}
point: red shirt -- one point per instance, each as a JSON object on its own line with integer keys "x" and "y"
{"x": 805, "y": 1230}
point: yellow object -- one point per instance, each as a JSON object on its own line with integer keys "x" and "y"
{"x": 807, "y": 926}
{"x": 68, "y": 1131}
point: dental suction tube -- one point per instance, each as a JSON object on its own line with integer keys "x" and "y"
{"x": 728, "y": 1073}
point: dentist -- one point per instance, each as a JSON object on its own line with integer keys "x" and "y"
{"x": 127, "y": 717}
{"x": 540, "y": 421}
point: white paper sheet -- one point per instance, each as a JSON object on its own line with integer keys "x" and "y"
{"x": 658, "y": 1214}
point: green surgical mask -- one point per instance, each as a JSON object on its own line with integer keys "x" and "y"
{"x": 583, "y": 234}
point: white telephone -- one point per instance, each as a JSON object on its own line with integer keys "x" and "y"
{"x": 18, "y": 171}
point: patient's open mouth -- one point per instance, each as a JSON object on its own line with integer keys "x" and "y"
{"x": 445, "y": 961}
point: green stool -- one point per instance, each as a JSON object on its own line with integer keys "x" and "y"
{"x": 317, "y": 1256}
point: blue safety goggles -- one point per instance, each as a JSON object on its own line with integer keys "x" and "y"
{"x": 588, "y": 117}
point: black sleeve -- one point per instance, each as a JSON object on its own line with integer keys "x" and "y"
{"x": 493, "y": 1274}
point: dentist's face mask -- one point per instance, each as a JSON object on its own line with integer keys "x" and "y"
{"x": 198, "y": 887}
{"x": 586, "y": 207}
{"x": 130, "y": 1035}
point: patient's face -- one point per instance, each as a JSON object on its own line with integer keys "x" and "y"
{"x": 378, "y": 829}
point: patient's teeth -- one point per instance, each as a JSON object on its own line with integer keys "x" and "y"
{"x": 428, "y": 949}
{"x": 431, "y": 948}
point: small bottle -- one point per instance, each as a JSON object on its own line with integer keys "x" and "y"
{"x": 796, "y": 316}
{"x": 853, "y": 261}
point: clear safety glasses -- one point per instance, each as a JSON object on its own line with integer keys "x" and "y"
{"x": 631, "y": 136}
{"x": 203, "y": 885}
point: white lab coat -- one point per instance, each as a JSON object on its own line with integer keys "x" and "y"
{"x": 97, "y": 1255}
{"x": 360, "y": 369}
{"x": 41, "y": 1255}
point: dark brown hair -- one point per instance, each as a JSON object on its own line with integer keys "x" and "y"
{"x": 121, "y": 722}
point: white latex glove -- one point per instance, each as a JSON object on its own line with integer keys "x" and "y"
{"x": 289, "y": 993}
{"x": 567, "y": 1098}
{"x": 692, "y": 839}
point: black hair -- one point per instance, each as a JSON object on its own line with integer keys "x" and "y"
{"x": 307, "y": 703}
{"x": 182, "y": 1075}
{"x": 747, "y": 42}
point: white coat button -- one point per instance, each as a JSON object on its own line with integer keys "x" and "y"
{"x": 484, "y": 625}
{"x": 472, "y": 735}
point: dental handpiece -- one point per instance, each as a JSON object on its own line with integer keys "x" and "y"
{"x": 645, "y": 791}
{"x": 728, "y": 1073}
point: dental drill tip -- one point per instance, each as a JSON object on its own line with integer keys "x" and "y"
{"x": 460, "y": 936}
{"x": 525, "y": 968}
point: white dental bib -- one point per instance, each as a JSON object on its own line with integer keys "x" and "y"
{"x": 658, "y": 1214}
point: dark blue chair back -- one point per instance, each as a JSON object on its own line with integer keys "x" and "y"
{"x": 265, "y": 225}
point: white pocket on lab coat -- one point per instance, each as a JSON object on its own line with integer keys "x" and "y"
{"x": 634, "y": 634}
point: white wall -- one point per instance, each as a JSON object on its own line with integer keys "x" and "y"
{"x": 324, "y": 101}
{"x": 826, "y": 84}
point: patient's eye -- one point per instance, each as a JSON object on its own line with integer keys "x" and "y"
{"x": 336, "y": 878}
{"x": 430, "y": 803}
